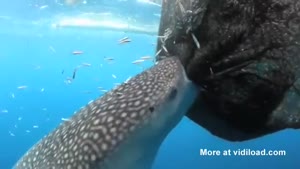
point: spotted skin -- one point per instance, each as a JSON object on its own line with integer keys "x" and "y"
{"x": 121, "y": 130}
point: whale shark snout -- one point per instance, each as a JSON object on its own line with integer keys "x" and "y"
{"x": 122, "y": 129}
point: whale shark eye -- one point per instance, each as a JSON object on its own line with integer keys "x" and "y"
{"x": 173, "y": 93}
{"x": 151, "y": 109}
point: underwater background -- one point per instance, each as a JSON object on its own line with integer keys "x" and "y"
{"x": 42, "y": 42}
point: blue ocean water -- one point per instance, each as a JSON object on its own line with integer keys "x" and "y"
{"x": 36, "y": 52}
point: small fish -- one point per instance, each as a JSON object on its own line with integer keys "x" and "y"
{"x": 42, "y": 89}
{"x": 146, "y": 57}
{"x": 86, "y": 92}
{"x": 43, "y": 7}
{"x": 127, "y": 79}
{"x": 12, "y": 95}
{"x": 52, "y": 49}
{"x": 138, "y": 61}
{"x": 11, "y": 134}
{"x": 68, "y": 80}
{"x": 65, "y": 119}
{"x": 5, "y": 17}
{"x": 22, "y": 87}
{"x": 86, "y": 64}
{"x": 165, "y": 49}
{"x": 35, "y": 126}
{"x": 74, "y": 73}
{"x": 116, "y": 86}
{"x": 109, "y": 58}
{"x": 161, "y": 36}
{"x": 75, "y": 70}
{"x": 37, "y": 67}
{"x": 211, "y": 71}
{"x": 124, "y": 40}
{"x": 158, "y": 52}
{"x": 150, "y": 2}
{"x": 63, "y": 71}
{"x": 196, "y": 41}
{"x": 19, "y": 118}
{"x": 27, "y": 131}
{"x": 103, "y": 90}
{"x": 77, "y": 52}
{"x": 181, "y": 7}
{"x": 157, "y": 15}
{"x": 4, "y": 111}
{"x": 114, "y": 76}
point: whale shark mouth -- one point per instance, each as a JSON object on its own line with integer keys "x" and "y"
{"x": 121, "y": 130}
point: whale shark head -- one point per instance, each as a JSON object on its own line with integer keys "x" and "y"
{"x": 121, "y": 130}
{"x": 250, "y": 76}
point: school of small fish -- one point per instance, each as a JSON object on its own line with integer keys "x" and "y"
{"x": 71, "y": 78}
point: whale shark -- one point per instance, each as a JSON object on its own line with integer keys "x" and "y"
{"x": 245, "y": 57}
{"x": 123, "y": 129}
